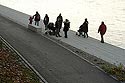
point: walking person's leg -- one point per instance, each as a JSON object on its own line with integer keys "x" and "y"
{"x": 102, "y": 39}
{"x": 30, "y": 22}
{"x": 59, "y": 32}
{"x": 87, "y": 34}
{"x": 46, "y": 27}
{"x": 35, "y": 22}
{"x": 60, "y": 26}
{"x": 56, "y": 33}
{"x": 84, "y": 35}
{"x": 65, "y": 34}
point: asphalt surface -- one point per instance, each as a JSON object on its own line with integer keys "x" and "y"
{"x": 53, "y": 62}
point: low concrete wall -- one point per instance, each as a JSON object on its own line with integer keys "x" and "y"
{"x": 16, "y": 16}
{"x": 34, "y": 28}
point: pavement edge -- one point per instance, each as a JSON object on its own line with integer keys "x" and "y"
{"x": 25, "y": 61}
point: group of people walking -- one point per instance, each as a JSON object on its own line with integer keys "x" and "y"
{"x": 57, "y": 27}
{"x": 54, "y": 29}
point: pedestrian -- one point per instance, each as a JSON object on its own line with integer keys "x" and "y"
{"x": 60, "y": 20}
{"x": 66, "y": 27}
{"x": 30, "y": 20}
{"x": 46, "y": 21}
{"x": 50, "y": 27}
{"x": 102, "y": 29}
{"x": 37, "y": 18}
{"x": 85, "y": 28}
{"x": 57, "y": 27}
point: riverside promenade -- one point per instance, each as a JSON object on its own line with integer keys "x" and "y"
{"x": 107, "y": 52}
{"x": 55, "y": 63}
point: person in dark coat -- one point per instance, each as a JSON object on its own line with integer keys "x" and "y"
{"x": 85, "y": 28}
{"x": 60, "y": 20}
{"x": 37, "y": 18}
{"x": 57, "y": 27}
{"x": 30, "y": 20}
{"x": 46, "y": 21}
{"x": 102, "y": 29}
{"x": 66, "y": 27}
{"x": 50, "y": 29}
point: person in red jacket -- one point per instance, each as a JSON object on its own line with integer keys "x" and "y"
{"x": 102, "y": 30}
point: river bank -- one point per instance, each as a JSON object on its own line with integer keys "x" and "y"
{"x": 111, "y": 12}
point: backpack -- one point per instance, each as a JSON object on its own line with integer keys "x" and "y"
{"x": 38, "y": 17}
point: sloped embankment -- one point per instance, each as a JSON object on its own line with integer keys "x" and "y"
{"x": 13, "y": 69}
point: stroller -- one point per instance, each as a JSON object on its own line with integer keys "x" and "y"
{"x": 80, "y": 31}
{"x": 50, "y": 29}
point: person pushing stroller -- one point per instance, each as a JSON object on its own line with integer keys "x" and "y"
{"x": 83, "y": 29}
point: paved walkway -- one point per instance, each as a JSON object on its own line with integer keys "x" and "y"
{"x": 53, "y": 62}
{"x": 105, "y": 51}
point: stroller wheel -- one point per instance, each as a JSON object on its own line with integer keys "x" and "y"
{"x": 76, "y": 33}
{"x": 46, "y": 33}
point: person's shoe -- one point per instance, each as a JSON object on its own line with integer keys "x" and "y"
{"x": 102, "y": 41}
{"x": 66, "y": 37}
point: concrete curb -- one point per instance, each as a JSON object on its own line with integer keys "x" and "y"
{"x": 25, "y": 61}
